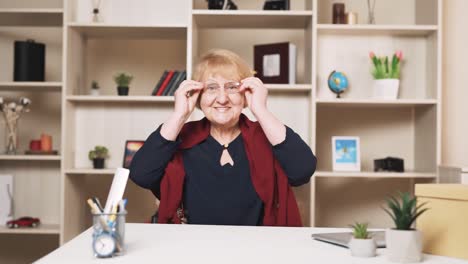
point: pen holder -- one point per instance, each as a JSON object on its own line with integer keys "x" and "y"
{"x": 108, "y": 234}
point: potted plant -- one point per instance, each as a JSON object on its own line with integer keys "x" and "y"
{"x": 94, "y": 88}
{"x": 387, "y": 75}
{"x": 362, "y": 244}
{"x": 98, "y": 155}
{"x": 404, "y": 242}
{"x": 123, "y": 81}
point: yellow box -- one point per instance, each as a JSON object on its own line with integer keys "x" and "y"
{"x": 445, "y": 224}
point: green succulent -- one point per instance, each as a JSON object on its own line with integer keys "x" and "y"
{"x": 404, "y": 213}
{"x": 99, "y": 152}
{"x": 360, "y": 231}
{"x": 122, "y": 79}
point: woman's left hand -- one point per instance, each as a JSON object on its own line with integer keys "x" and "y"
{"x": 256, "y": 94}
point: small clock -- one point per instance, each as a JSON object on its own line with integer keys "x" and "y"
{"x": 104, "y": 245}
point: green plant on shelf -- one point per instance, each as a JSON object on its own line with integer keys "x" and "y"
{"x": 94, "y": 85}
{"x": 99, "y": 152}
{"x": 404, "y": 213}
{"x": 383, "y": 68}
{"x": 123, "y": 79}
{"x": 360, "y": 231}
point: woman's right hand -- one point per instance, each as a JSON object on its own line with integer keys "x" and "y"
{"x": 185, "y": 100}
{"x": 186, "y": 97}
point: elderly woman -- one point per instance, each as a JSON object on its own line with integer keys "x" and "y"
{"x": 224, "y": 169}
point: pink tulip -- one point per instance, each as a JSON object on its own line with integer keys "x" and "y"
{"x": 371, "y": 54}
{"x": 399, "y": 55}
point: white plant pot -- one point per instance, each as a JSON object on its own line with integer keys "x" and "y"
{"x": 94, "y": 92}
{"x": 386, "y": 89}
{"x": 363, "y": 248}
{"x": 404, "y": 246}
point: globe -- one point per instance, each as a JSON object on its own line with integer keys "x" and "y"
{"x": 337, "y": 82}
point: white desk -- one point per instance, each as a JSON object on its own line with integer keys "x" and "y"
{"x": 188, "y": 244}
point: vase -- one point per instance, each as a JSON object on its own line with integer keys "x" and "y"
{"x": 363, "y": 248}
{"x": 404, "y": 246}
{"x": 11, "y": 137}
{"x": 386, "y": 89}
{"x": 94, "y": 92}
{"x": 98, "y": 163}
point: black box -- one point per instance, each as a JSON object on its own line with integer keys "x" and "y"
{"x": 389, "y": 164}
{"x": 29, "y": 61}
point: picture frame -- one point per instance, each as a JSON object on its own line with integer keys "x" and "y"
{"x": 131, "y": 147}
{"x": 346, "y": 153}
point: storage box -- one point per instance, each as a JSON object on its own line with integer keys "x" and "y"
{"x": 445, "y": 224}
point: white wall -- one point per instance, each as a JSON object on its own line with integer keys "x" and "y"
{"x": 455, "y": 84}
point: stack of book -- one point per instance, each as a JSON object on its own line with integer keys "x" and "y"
{"x": 169, "y": 82}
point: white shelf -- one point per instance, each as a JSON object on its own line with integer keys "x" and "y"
{"x": 376, "y": 102}
{"x": 30, "y": 157}
{"x": 119, "y": 99}
{"x": 31, "y": 17}
{"x": 371, "y": 174}
{"x": 31, "y": 86}
{"x": 99, "y": 30}
{"x": 252, "y": 19}
{"x": 42, "y": 229}
{"x": 90, "y": 171}
{"x": 410, "y": 30}
{"x": 289, "y": 87}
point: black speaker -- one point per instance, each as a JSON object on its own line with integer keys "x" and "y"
{"x": 29, "y": 61}
{"x": 276, "y": 5}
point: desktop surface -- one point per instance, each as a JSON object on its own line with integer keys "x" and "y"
{"x": 160, "y": 243}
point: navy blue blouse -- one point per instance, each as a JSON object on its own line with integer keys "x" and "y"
{"x": 215, "y": 194}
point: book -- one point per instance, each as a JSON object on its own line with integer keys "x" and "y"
{"x": 165, "y": 83}
{"x": 171, "y": 83}
{"x": 180, "y": 78}
{"x": 276, "y": 62}
{"x": 155, "y": 90}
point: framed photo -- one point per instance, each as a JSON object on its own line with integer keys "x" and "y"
{"x": 346, "y": 154}
{"x": 131, "y": 147}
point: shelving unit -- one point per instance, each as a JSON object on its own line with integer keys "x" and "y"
{"x": 172, "y": 37}
{"x": 41, "y": 229}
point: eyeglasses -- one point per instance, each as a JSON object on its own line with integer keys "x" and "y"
{"x": 229, "y": 88}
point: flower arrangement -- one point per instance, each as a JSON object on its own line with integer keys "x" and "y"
{"x": 383, "y": 68}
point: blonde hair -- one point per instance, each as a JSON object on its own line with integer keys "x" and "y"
{"x": 221, "y": 62}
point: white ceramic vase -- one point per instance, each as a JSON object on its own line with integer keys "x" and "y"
{"x": 404, "y": 246}
{"x": 94, "y": 92}
{"x": 386, "y": 89}
{"x": 363, "y": 248}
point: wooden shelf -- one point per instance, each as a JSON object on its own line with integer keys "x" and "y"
{"x": 43, "y": 229}
{"x": 48, "y": 17}
{"x": 90, "y": 171}
{"x": 99, "y": 30}
{"x": 31, "y": 157}
{"x": 409, "y": 30}
{"x": 31, "y": 86}
{"x": 371, "y": 174}
{"x": 119, "y": 99}
{"x": 376, "y": 102}
{"x": 252, "y": 19}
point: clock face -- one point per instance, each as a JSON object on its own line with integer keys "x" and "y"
{"x": 104, "y": 245}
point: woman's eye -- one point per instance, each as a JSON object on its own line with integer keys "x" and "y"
{"x": 212, "y": 87}
{"x": 232, "y": 87}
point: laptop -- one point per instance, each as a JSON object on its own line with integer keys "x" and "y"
{"x": 343, "y": 238}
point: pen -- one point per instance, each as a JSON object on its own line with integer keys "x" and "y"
{"x": 96, "y": 201}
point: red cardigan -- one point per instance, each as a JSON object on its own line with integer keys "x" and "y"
{"x": 269, "y": 179}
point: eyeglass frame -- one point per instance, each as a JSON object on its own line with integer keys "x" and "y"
{"x": 218, "y": 88}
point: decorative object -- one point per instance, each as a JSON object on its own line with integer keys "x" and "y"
{"x": 386, "y": 75}
{"x": 94, "y": 88}
{"x": 98, "y": 156}
{"x": 6, "y": 199}
{"x": 29, "y": 61}
{"x": 404, "y": 243}
{"x": 346, "y": 153}
{"x": 389, "y": 164}
{"x": 43, "y": 146}
{"x": 275, "y": 63}
{"x": 131, "y": 147}
{"x": 337, "y": 82}
{"x": 339, "y": 16}
{"x": 221, "y": 4}
{"x": 96, "y": 15}
{"x": 46, "y": 143}
{"x": 25, "y": 221}
{"x": 12, "y": 112}
{"x": 351, "y": 18}
{"x": 371, "y": 8}
{"x": 276, "y": 5}
{"x": 35, "y": 145}
{"x": 362, "y": 244}
{"x": 123, "y": 81}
